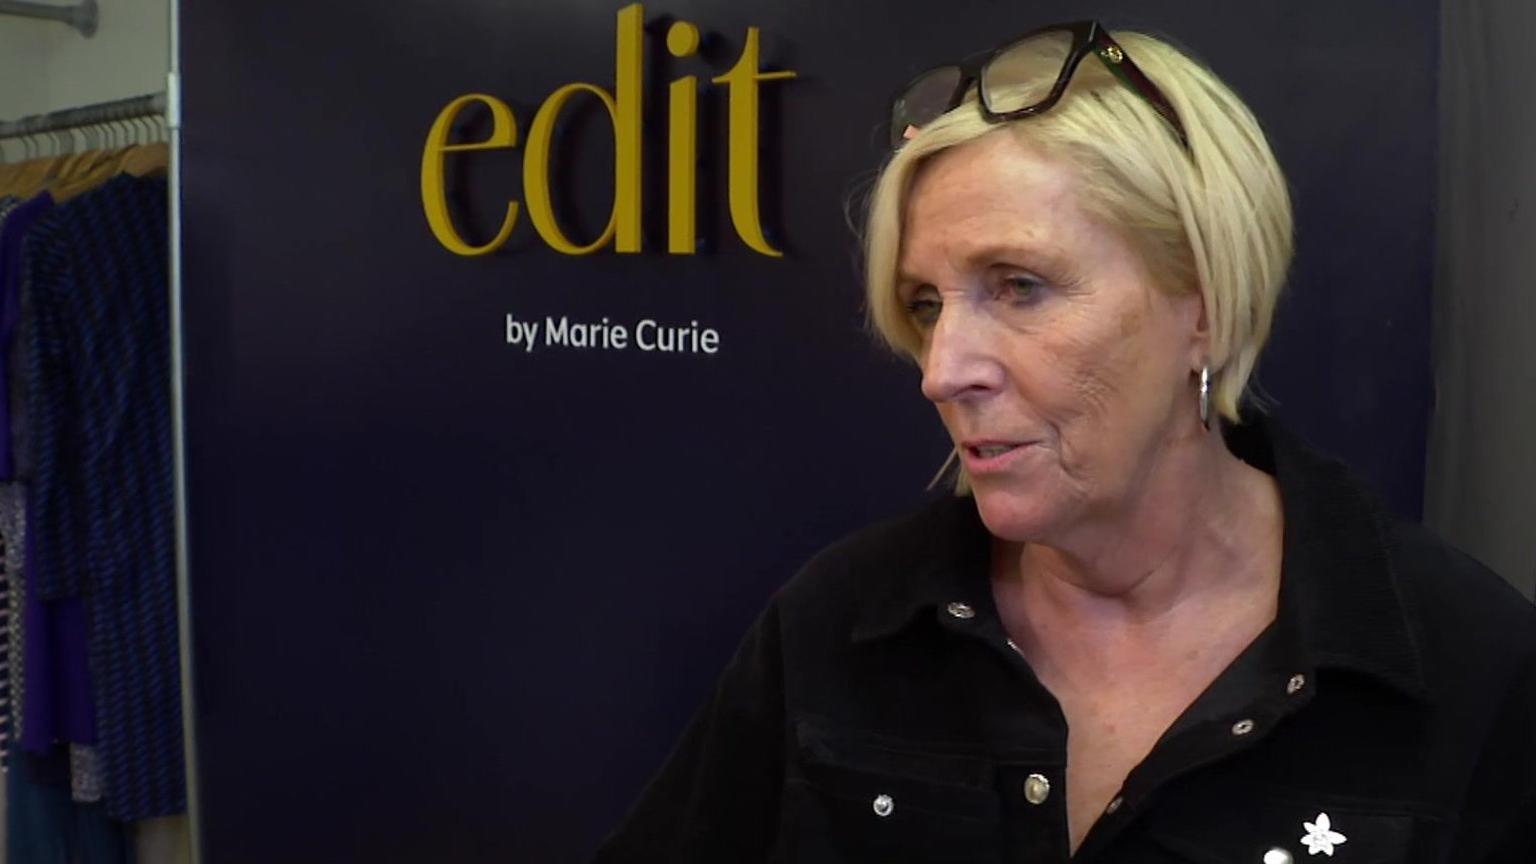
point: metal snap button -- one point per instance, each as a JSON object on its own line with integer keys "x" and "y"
{"x": 1242, "y": 727}
{"x": 1036, "y": 789}
{"x": 1278, "y": 856}
{"x": 883, "y": 805}
{"x": 961, "y": 610}
{"x": 1293, "y": 686}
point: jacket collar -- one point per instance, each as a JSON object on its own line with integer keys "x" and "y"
{"x": 1341, "y": 601}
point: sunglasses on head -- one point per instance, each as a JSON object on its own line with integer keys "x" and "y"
{"x": 1015, "y": 80}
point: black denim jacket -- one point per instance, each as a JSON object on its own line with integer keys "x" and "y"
{"x": 877, "y": 713}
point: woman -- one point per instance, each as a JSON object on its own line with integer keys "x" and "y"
{"x": 1149, "y": 627}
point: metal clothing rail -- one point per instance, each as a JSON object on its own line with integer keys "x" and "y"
{"x": 81, "y": 16}
{"x": 88, "y": 115}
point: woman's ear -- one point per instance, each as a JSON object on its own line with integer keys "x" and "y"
{"x": 1199, "y": 331}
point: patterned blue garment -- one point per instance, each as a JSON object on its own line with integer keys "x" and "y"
{"x": 98, "y": 370}
{"x": 7, "y": 728}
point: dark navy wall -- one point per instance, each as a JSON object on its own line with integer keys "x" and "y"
{"x": 453, "y": 601}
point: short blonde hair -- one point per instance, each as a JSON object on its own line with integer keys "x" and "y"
{"x": 1215, "y": 218}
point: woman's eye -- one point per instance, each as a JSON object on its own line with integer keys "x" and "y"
{"x": 923, "y": 308}
{"x": 1020, "y": 288}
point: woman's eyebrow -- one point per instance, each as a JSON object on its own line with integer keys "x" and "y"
{"x": 1031, "y": 255}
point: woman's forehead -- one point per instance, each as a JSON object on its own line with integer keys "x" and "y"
{"x": 988, "y": 194}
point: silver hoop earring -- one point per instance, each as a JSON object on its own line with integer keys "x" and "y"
{"x": 1205, "y": 396}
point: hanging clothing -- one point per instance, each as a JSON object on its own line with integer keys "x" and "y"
{"x": 18, "y": 218}
{"x": 84, "y": 774}
{"x": 59, "y": 703}
{"x": 47, "y": 827}
{"x": 52, "y": 634}
{"x": 14, "y": 227}
{"x": 5, "y": 662}
{"x": 46, "y": 819}
{"x": 13, "y": 542}
{"x": 100, "y": 510}
{"x": 7, "y": 204}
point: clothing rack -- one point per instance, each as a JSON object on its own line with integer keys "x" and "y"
{"x": 134, "y": 107}
{"x": 81, "y": 16}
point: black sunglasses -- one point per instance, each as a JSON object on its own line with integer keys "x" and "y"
{"x": 1010, "y": 79}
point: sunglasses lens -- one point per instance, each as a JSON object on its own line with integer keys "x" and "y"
{"x": 924, "y": 100}
{"x": 1023, "y": 74}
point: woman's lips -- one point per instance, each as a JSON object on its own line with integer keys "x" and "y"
{"x": 982, "y": 457}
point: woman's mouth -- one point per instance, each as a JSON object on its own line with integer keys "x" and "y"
{"x": 990, "y": 450}
{"x": 985, "y": 456}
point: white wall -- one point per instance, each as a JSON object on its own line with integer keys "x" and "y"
{"x": 48, "y": 66}
{"x": 21, "y": 66}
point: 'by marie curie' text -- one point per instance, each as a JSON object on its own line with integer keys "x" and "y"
{"x": 647, "y": 335}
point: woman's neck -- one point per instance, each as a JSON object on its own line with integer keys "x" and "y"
{"x": 1203, "y": 524}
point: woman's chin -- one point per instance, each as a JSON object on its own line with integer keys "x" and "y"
{"x": 1016, "y": 517}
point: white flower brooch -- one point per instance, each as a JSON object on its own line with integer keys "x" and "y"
{"x": 1321, "y": 837}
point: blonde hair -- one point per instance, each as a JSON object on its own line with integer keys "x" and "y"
{"x": 1216, "y": 218}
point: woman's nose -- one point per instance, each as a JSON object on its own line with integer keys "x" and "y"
{"x": 958, "y": 362}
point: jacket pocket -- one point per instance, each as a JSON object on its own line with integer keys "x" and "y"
{"x": 863, "y": 798}
{"x": 1246, "y": 825}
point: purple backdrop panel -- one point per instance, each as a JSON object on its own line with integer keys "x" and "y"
{"x": 454, "y": 598}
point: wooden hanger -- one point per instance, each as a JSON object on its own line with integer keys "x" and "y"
{"x": 87, "y": 174}
{"x": 140, "y": 160}
{"x": 30, "y": 177}
{"x": 57, "y": 168}
{"x": 147, "y": 160}
{"x": 13, "y": 175}
{"x": 68, "y": 175}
